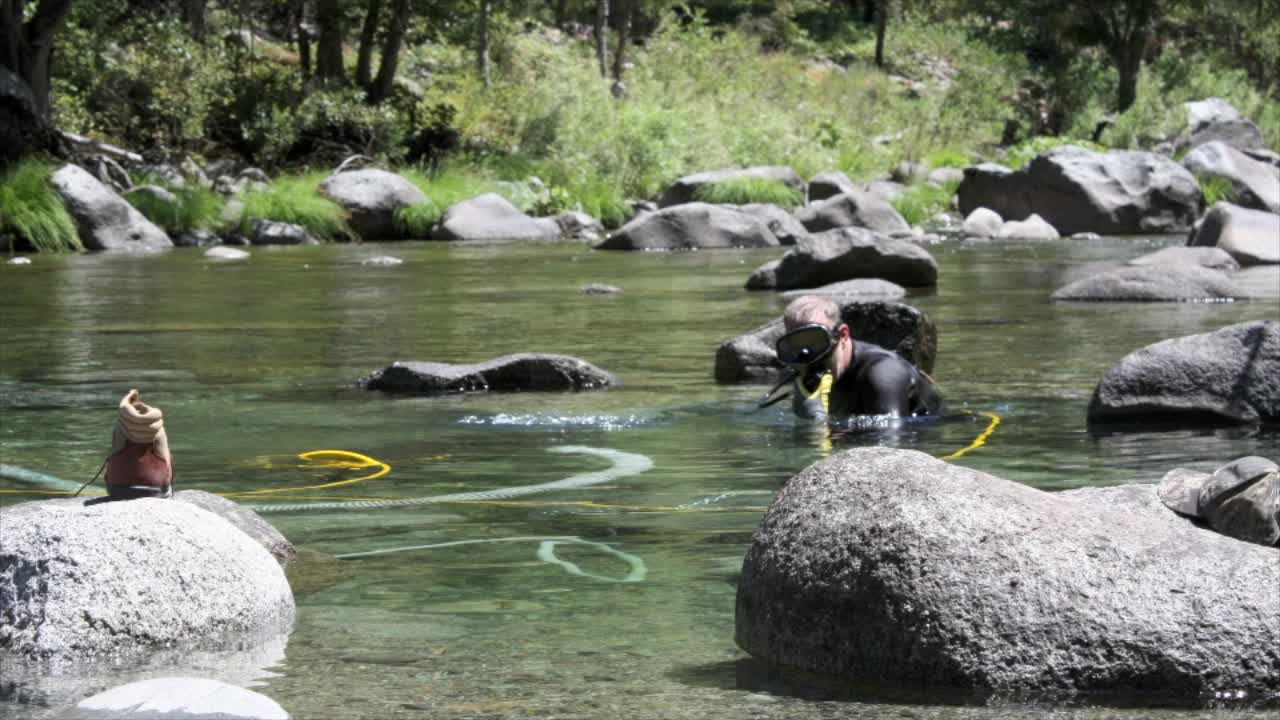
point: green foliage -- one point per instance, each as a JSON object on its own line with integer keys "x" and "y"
{"x": 1024, "y": 152}
{"x": 1217, "y": 189}
{"x": 32, "y": 210}
{"x": 947, "y": 157}
{"x": 416, "y": 221}
{"x": 297, "y": 200}
{"x": 921, "y": 202}
{"x": 743, "y": 191}
{"x": 196, "y": 208}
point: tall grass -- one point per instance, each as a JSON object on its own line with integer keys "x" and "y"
{"x": 297, "y": 200}
{"x": 32, "y": 210}
{"x": 1217, "y": 189}
{"x": 921, "y": 202}
{"x": 743, "y": 191}
{"x": 197, "y": 208}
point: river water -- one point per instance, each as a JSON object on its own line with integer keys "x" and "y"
{"x": 613, "y": 600}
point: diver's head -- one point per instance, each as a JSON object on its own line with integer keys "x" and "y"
{"x": 815, "y": 336}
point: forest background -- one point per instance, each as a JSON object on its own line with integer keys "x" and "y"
{"x": 604, "y": 102}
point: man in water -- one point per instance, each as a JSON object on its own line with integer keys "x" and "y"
{"x": 837, "y": 377}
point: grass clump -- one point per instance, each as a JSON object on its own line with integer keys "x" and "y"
{"x": 297, "y": 200}
{"x": 32, "y": 210}
{"x": 416, "y": 221}
{"x": 921, "y": 202}
{"x": 197, "y": 208}
{"x": 743, "y": 191}
{"x": 947, "y": 158}
{"x": 1026, "y": 151}
{"x": 1217, "y": 189}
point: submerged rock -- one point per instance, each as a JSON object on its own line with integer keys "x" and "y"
{"x": 890, "y": 566}
{"x": 1152, "y": 283}
{"x": 1229, "y": 375}
{"x": 1210, "y": 257}
{"x": 509, "y": 373}
{"x": 177, "y": 698}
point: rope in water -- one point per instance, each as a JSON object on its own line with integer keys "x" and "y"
{"x": 546, "y": 553}
{"x": 980, "y": 440}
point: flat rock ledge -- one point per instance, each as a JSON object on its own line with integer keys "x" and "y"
{"x": 1231, "y": 375}
{"x": 509, "y": 373}
{"x": 89, "y": 579}
{"x": 891, "y": 567}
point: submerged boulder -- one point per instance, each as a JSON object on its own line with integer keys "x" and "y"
{"x": 492, "y": 218}
{"x": 1210, "y": 257}
{"x": 874, "y": 288}
{"x": 1077, "y": 190}
{"x": 685, "y": 190}
{"x": 1252, "y": 237}
{"x": 1231, "y": 375}
{"x": 177, "y": 698}
{"x": 82, "y": 579}
{"x": 509, "y": 373}
{"x": 890, "y": 566}
{"x": 854, "y": 209}
{"x": 691, "y": 226}
{"x": 1152, "y": 283}
{"x": 105, "y": 220}
{"x": 895, "y": 326}
{"x": 848, "y": 254}
{"x": 372, "y": 197}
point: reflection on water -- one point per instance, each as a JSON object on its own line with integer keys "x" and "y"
{"x": 510, "y": 606}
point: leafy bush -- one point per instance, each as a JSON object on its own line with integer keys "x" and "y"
{"x": 297, "y": 200}
{"x": 32, "y": 210}
{"x": 742, "y": 191}
{"x": 1024, "y": 152}
{"x": 921, "y": 202}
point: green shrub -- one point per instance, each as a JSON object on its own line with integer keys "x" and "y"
{"x": 32, "y": 210}
{"x": 297, "y": 200}
{"x": 1217, "y": 189}
{"x": 1024, "y": 152}
{"x": 921, "y": 202}
{"x": 742, "y": 191}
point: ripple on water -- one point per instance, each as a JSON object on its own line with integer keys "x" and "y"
{"x": 540, "y": 420}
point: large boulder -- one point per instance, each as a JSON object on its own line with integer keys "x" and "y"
{"x": 855, "y": 209}
{"x": 781, "y": 223}
{"x": 847, "y": 254}
{"x": 902, "y": 328}
{"x": 82, "y": 579}
{"x": 104, "y": 220}
{"x": 1228, "y": 375}
{"x": 829, "y": 184}
{"x": 492, "y": 218}
{"x": 243, "y": 519}
{"x": 1256, "y": 184}
{"x": 1252, "y": 237}
{"x": 509, "y": 373}
{"x": 1216, "y": 120}
{"x": 372, "y": 197}
{"x": 685, "y": 189}
{"x": 691, "y": 226}
{"x": 889, "y": 566}
{"x": 982, "y": 222}
{"x": 1152, "y": 283}
{"x": 1077, "y": 190}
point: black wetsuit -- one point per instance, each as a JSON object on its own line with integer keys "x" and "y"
{"x": 882, "y": 382}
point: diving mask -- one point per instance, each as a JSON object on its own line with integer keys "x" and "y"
{"x": 806, "y": 346}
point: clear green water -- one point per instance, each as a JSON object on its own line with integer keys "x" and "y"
{"x": 255, "y": 362}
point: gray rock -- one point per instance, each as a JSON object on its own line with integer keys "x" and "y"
{"x": 886, "y": 190}
{"x": 177, "y": 698}
{"x": 1086, "y": 236}
{"x": 1256, "y": 184}
{"x": 685, "y": 190}
{"x": 197, "y": 238}
{"x": 783, "y": 224}
{"x": 1077, "y": 190}
{"x": 153, "y": 192}
{"x": 1260, "y": 282}
{"x": 270, "y": 232}
{"x": 944, "y": 175}
{"x": 909, "y": 173}
{"x": 243, "y": 519}
{"x": 91, "y": 579}
{"x": 982, "y": 222}
{"x": 1152, "y": 283}
{"x": 254, "y": 175}
{"x": 232, "y": 212}
{"x": 1216, "y": 120}
{"x": 829, "y": 184}
{"x": 1210, "y": 257}
{"x": 509, "y": 373}
{"x": 889, "y": 566}
{"x": 492, "y": 218}
{"x": 848, "y": 254}
{"x": 104, "y": 220}
{"x": 382, "y": 261}
{"x": 1251, "y": 236}
{"x": 1033, "y": 228}
{"x": 1228, "y": 375}
{"x": 902, "y": 328}
{"x": 856, "y": 209}
{"x": 764, "y": 277}
{"x": 372, "y": 198}
{"x": 223, "y": 252}
{"x": 575, "y": 225}
{"x": 861, "y": 288}
{"x": 1264, "y": 155}
{"x": 690, "y": 226}
{"x": 601, "y": 289}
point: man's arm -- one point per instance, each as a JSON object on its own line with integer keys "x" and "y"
{"x": 888, "y": 387}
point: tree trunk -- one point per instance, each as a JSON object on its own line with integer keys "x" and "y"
{"x": 329, "y": 66}
{"x": 482, "y": 42}
{"x": 628, "y": 10}
{"x": 869, "y": 11}
{"x": 27, "y": 48}
{"x": 560, "y": 13}
{"x": 301, "y": 37}
{"x": 385, "y": 81}
{"x": 193, "y": 14}
{"x": 882, "y": 22}
{"x": 602, "y": 39}
{"x": 1129, "y": 65}
{"x": 368, "y": 34}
